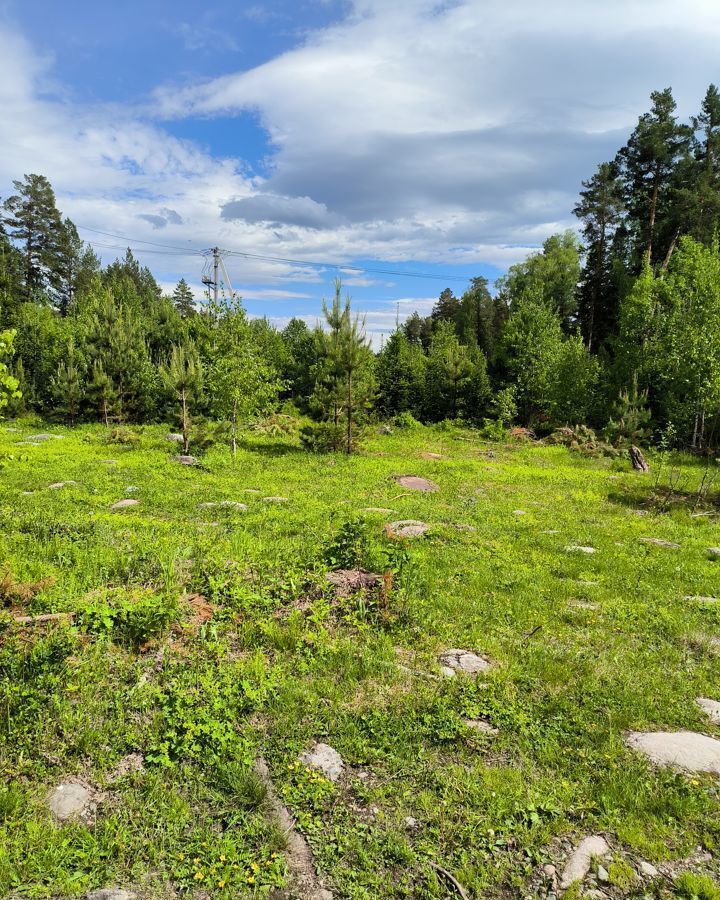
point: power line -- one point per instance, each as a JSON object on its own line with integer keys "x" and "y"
{"x": 432, "y": 276}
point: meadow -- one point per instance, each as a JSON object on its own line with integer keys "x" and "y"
{"x": 204, "y": 633}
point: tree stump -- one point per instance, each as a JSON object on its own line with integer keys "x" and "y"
{"x": 638, "y": 460}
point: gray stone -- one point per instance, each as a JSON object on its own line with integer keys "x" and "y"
{"x": 711, "y": 708}
{"x": 519, "y": 512}
{"x": 576, "y": 548}
{"x": 549, "y": 871}
{"x": 415, "y": 483}
{"x": 185, "y": 460}
{"x": 110, "y": 894}
{"x": 447, "y": 671}
{"x": 411, "y": 821}
{"x": 464, "y": 661}
{"x": 683, "y": 749}
{"x": 38, "y": 438}
{"x": 602, "y": 874}
{"x": 714, "y": 552}
{"x": 406, "y": 528}
{"x": 175, "y": 438}
{"x": 377, "y": 509}
{"x": 325, "y": 759}
{"x": 384, "y": 429}
{"x": 659, "y": 542}
{"x": 124, "y": 504}
{"x": 647, "y": 870}
{"x": 276, "y": 499}
{"x": 699, "y": 599}
{"x": 481, "y": 726}
{"x": 69, "y": 800}
{"x": 578, "y": 865}
{"x": 60, "y": 484}
{"x": 132, "y": 489}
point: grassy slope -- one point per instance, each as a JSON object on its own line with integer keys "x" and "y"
{"x": 281, "y": 665}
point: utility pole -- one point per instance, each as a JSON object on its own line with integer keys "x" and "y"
{"x": 216, "y": 263}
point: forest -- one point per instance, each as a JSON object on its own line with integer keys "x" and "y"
{"x": 617, "y": 329}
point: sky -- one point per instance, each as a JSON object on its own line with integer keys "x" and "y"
{"x": 421, "y": 142}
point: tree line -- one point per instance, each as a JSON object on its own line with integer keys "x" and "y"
{"x": 618, "y": 329}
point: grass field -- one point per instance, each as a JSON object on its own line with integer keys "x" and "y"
{"x": 160, "y": 703}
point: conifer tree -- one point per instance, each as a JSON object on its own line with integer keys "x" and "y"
{"x": 67, "y": 386}
{"x": 183, "y": 299}
{"x": 183, "y": 377}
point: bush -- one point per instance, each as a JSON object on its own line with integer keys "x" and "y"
{"x": 123, "y": 435}
{"x": 325, "y": 437}
{"x": 404, "y": 420}
{"x": 348, "y": 548}
{"x": 131, "y": 620}
{"x": 582, "y": 439}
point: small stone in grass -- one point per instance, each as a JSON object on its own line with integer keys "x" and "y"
{"x": 464, "y": 661}
{"x": 659, "y": 542}
{"x": 711, "y": 708}
{"x": 175, "y": 438}
{"x": 406, "y": 528}
{"x": 519, "y": 512}
{"x": 276, "y": 499}
{"x": 579, "y": 863}
{"x": 69, "y": 800}
{"x": 110, "y": 894}
{"x": 60, "y": 484}
{"x": 699, "y": 599}
{"x": 428, "y": 455}
{"x": 682, "y": 749}
{"x": 576, "y": 548}
{"x": 415, "y": 483}
{"x": 714, "y": 552}
{"x": 124, "y": 504}
{"x": 186, "y": 460}
{"x": 481, "y": 725}
{"x": 325, "y": 759}
{"x": 647, "y": 869}
{"x": 226, "y": 504}
{"x": 43, "y": 437}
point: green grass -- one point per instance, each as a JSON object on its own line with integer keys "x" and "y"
{"x": 282, "y": 663}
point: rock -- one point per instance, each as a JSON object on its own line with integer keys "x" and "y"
{"x": 699, "y": 599}
{"x": 325, "y": 759}
{"x": 69, "y": 800}
{"x": 647, "y": 870}
{"x": 447, "y": 671}
{"x": 462, "y": 527}
{"x": 427, "y": 455}
{"x": 38, "y": 438}
{"x": 464, "y": 661}
{"x": 186, "y": 460}
{"x": 131, "y": 489}
{"x": 124, "y": 504}
{"x": 550, "y": 531}
{"x": 377, "y": 509}
{"x": 175, "y": 438}
{"x": 602, "y": 874}
{"x": 549, "y": 871}
{"x": 659, "y": 542}
{"x": 576, "y": 548}
{"x": 110, "y": 894}
{"x": 411, "y": 821}
{"x": 384, "y": 429}
{"x": 714, "y": 552}
{"x": 481, "y": 725}
{"x": 60, "y": 484}
{"x": 711, "y": 707}
{"x": 578, "y": 865}
{"x": 519, "y": 512}
{"x": 406, "y": 528}
{"x": 683, "y": 749}
{"x": 276, "y": 499}
{"x": 415, "y": 483}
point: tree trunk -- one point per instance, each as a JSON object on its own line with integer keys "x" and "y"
{"x": 638, "y": 460}
{"x": 185, "y": 429}
{"x": 671, "y": 250}
{"x": 349, "y": 413}
{"x": 234, "y": 429}
{"x": 653, "y": 212}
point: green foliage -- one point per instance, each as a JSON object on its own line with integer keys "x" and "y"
{"x": 349, "y": 546}
{"x": 8, "y": 383}
{"x": 690, "y": 886}
{"x": 132, "y": 620}
{"x": 324, "y": 437}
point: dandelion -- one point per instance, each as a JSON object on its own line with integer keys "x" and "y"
{"x": 198, "y": 876}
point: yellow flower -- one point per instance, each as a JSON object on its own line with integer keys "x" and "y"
{"x": 235, "y": 866}
{"x": 181, "y": 856}
{"x": 255, "y": 867}
{"x": 196, "y": 861}
{"x": 198, "y": 876}
{"x": 275, "y": 855}
{"x": 695, "y": 782}
{"x": 222, "y": 857}
{"x": 221, "y": 883}
{"x": 250, "y": 879}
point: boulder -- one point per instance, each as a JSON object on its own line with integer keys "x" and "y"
{"x": 69, "y": 801}
{"x": 124, "y": 504}
{"x": 711, "y": 708}
{"x": 186, "y": 460}
{"x": 406, "y": 528}
{"x": 681, "y": 749}
{"x": 464, "y": 661}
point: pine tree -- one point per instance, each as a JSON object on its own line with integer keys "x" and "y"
{"x": 600, "y": 208}
{"x": 647, "y": 163}
{"x": 67, "y": 386}
{"x": 183, "y": 377}
{"x": 447, "y": 307}
{"x": 102, "y": 390}
{"x": 34, "y": 223}
{"x": 183, "y": 299}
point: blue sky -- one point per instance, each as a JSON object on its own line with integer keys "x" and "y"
{"x": 447, "y": 138}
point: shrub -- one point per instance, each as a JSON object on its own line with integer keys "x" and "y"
{"x": 405, "y": 420}
{"x": 348, "y": 548}
{"x": 132, "y": 620}
{"x": 324, "y": 437}
{"x": 123, "y": 435}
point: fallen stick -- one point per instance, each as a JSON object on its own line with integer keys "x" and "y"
{"x": 46, "y": 617}
{"x": 451, "y": 878}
